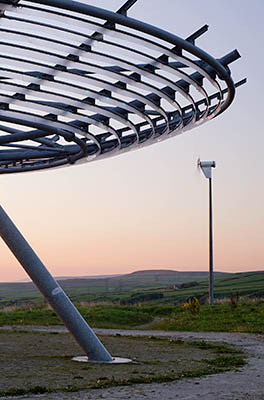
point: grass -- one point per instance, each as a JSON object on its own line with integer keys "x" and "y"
{"x": 246, "y": 317}
{"x": 217, "y": 347}
{"x": 164, "y": 287}
{"x": 246, "y": 284}
{"x": 227, "y": 362}
{"x": 99, "y": 316}
{"x": 21, "y": 392}
{"x": 43, "y": 364}
{"x": 114, "y": 284}
{"x": 115, "y": 317}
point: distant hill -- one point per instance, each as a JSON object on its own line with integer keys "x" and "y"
{"x": 175, "y": 286}
{"x": 243, "y": 283}
{"x": 64, "y": 278}
{"x": 89, "y": 286}
{"x": 135, "y": 280}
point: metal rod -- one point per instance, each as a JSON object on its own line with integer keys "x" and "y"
{"x": 52, "y": 291}
{"x": 149, "y": 29}
{"x": 211, "y": 273}
{"x": 123, "y": 10}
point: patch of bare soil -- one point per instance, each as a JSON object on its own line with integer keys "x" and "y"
{"x": 40, "y": 362}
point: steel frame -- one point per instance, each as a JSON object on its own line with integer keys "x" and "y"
{"x": 74, "y": 89}
{"x": 80, "y": 83}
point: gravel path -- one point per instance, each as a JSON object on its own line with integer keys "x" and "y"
{"x": 246, "y": 383}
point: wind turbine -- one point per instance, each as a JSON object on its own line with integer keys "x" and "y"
{"x": 206, "y": 167}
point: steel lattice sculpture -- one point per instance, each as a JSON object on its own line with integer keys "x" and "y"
{"x": 79, "y": 83}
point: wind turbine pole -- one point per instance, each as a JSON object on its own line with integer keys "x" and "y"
{"x": 211, "y": 273}
{"x": 206, "y": 167}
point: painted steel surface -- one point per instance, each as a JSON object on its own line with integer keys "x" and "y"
{"x": 80, "y": 83}
{"x": 57, "y": 298}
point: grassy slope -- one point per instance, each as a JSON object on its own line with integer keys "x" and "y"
{"x": 122, "y": 288}
{"x": 249, "y": 283}
{"x": 246, "y": 317}
{"x": 112, "y": 285}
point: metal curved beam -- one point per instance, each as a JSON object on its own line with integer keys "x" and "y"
{"x": 108, "y": 84}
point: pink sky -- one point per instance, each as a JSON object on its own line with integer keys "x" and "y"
{"x": 148, "y": 209}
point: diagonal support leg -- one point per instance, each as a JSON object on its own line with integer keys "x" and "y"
{"x": 55, "y": 295}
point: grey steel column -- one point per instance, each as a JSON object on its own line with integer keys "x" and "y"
{"x": 211, "y": 273}
{"x": 52, "y": 291}
{"x": 206, "y": 167}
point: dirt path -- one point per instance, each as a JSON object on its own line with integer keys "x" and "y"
{"x": 244, "y": 384}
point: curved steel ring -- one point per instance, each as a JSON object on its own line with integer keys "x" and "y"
{"x": 79, "y": 83}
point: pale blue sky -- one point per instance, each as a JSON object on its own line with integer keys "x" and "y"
{"x": 148, "y": 208}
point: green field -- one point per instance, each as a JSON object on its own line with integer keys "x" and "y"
{"x": 87, "y": 289}
{"x": 142, "y": 302}
{"x": 142, "y": 287}
{"x": 246, "y": 316}
{"x": 146, "y": 305}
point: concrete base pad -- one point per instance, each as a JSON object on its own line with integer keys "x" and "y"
{"x": 115, "y": 360}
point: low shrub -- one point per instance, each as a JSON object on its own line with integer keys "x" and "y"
{"x": 193, "y": 306}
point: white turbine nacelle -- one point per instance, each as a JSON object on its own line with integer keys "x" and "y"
{"x": 206, "y": 167}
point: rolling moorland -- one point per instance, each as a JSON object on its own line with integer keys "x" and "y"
{"x": 147, "y": 300}
{"x": 147, "y": 286}
{"x": 152, "y": 300}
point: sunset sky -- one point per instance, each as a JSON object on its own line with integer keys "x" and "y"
{"x": 148, "y": 209}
